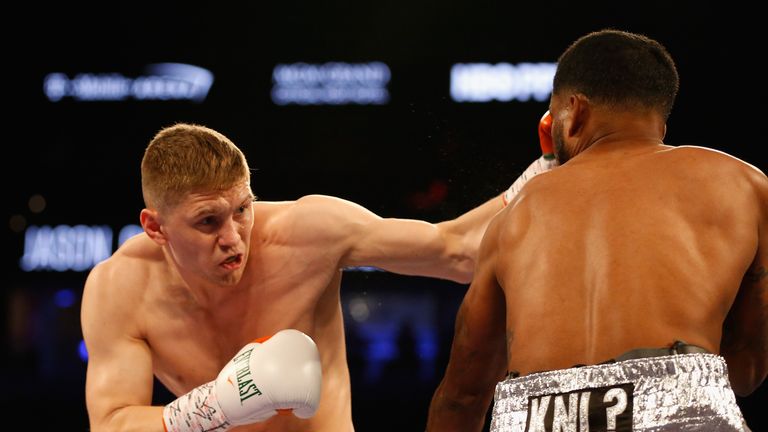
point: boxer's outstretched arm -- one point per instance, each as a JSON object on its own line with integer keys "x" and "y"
{"x": 118, "y": 390}
{"x": 479, "y": 352}
{"x": 446, "y": 250}
{"x": 362, "y": 238}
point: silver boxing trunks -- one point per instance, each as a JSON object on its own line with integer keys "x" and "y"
{"x": 684, "y": 392}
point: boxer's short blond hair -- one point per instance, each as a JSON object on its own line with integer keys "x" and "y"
{"x": 186, "y": 158}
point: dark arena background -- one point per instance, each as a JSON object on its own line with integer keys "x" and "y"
{"x": 419, "y": 109}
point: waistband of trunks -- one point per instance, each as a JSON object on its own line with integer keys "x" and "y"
{"x": 678, "y": 347}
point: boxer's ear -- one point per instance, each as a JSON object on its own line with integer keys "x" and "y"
{"x": 151, "y": 224}
{"x": 578, "y": 113}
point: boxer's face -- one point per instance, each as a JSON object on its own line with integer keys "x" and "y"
{"x": 208, "y": 233}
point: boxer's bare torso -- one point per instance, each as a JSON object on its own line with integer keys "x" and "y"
{"x": 628, "y": 245}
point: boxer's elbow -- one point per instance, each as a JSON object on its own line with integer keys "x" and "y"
{"x": 462, "y": 268}
{"x": 460, "y": 260}
{"x": 463, "y": 277}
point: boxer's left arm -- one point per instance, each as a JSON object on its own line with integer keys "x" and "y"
{"x": 478, "y": 357}
{"x": 446, "y": 250}
{"x": 362, "y": 238}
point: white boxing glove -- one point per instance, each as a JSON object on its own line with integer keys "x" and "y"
{"x": 279, "y": 374}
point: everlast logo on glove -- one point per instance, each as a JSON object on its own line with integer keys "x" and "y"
{"x": 245, "y": 384}
{"x": 601, "y": 409}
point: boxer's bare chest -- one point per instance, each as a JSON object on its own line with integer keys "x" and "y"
{"x": 279, "y": 290}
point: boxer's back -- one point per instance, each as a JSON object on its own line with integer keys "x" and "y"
{"x": 625, "y": 247}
